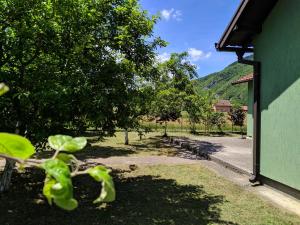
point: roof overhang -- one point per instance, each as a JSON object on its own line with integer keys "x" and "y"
{"x": 244, "y": 79}
{"x": 246, "y": 23}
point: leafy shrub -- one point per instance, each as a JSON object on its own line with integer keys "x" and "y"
{"x": 59, "y": 169}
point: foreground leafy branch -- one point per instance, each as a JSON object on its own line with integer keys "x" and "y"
{"x": 59, "y": 169}
{"x": 3, "y": 89}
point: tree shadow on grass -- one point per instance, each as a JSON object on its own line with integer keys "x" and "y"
{"x": 157, "y": 145}
{"x": 207, "y": 146}
{"x": 142, "y": 200}
{"x": 94, "y": 152}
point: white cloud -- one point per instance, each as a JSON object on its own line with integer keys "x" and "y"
{"x": 163, "y": 57}
{"x": 168, "y": 14}
{"x": 196, "y": 54}
{"x": 177, "y": 15}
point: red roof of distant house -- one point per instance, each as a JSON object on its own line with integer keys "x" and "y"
{"x": 244, "y": 79}
{"x": 223, "y": 103}
{"x": 245, "y": 108}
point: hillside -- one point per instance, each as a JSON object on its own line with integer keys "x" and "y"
{"x": 220, "y": 83}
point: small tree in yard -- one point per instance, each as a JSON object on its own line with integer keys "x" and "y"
{"x": 237, "y": 117}
{"x": 218, "y": 119}
{"x": 208, "y": 101}
{"x": 194, "y": 107}
{"x": 167, "y": 106}
{"x": 136, "y": 105}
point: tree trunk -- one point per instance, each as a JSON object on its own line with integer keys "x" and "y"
{"x": 126, "y": 137}
{"x": 165, "y": 134}
{"x": 181, "y": 125}
{"x": 6, "y": 175}
{"x": 242, "y": 131}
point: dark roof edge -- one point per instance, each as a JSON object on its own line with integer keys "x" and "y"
{"x": 245, "y": 24}
{"x": 241, "y": 82}
{"x": 220, "y": 45}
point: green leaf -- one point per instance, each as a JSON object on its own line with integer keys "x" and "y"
{"x": 67, "y": 143}
{"x": 16, "y": 146}
{"x": 58, "y": 184}
{"x": 66, "y": 204}
{"x": 75, "y": 144}
{"x": 49, "y": 182}
{"x": 101, "y": 174}
{"x": 66, "y": 158}
{"x": 3, "y": 89}
{"x": 56, "y": 142}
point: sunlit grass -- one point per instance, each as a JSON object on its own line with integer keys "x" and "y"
{"x": 150, "y": 144}
{"x": 205, "y": 198}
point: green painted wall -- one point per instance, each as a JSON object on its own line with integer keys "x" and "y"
{"x": 278, "y": 48}
{"x": 250, "y": 110}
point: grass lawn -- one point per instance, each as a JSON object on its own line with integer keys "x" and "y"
{"x": 151, "y": 144}
{"x": 158, "y": 195}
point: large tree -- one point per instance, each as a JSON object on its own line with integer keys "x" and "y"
{"x": 71, "y": 64}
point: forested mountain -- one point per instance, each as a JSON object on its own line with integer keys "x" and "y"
{"x": 220, "y": 82}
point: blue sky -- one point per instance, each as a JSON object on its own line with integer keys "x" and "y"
{"x": 194, "y": 26}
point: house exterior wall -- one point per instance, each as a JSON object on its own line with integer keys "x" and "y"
{"x": 278, "y": 49}
{"x": 222, "y": 108}
{"x": 250, "y": 110}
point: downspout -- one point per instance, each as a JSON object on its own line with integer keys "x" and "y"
{"x": 256, "y": 113}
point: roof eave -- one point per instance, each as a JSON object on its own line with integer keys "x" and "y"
{"x": 233, "y": 48}
{"x": 245, "y": 24}
{"x": 241, "y": 82}
{"x": 220, "y": 46}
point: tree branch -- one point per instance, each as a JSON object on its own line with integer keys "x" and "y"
{"x": 77, "y": 173}
{"x": 31, "y": 162}
{"x": 21, "y": 161}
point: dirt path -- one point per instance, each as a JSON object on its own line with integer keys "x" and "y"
{"x": 142, "y": 160}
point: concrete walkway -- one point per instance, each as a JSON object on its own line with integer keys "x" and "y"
{"x": 232, "y": 152}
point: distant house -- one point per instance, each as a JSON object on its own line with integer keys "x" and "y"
{"x": 245, "y": 108}
{"x": 249, "y": 109}
{"x": 222, "y": 106}
{"x": 269, "y": 29}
